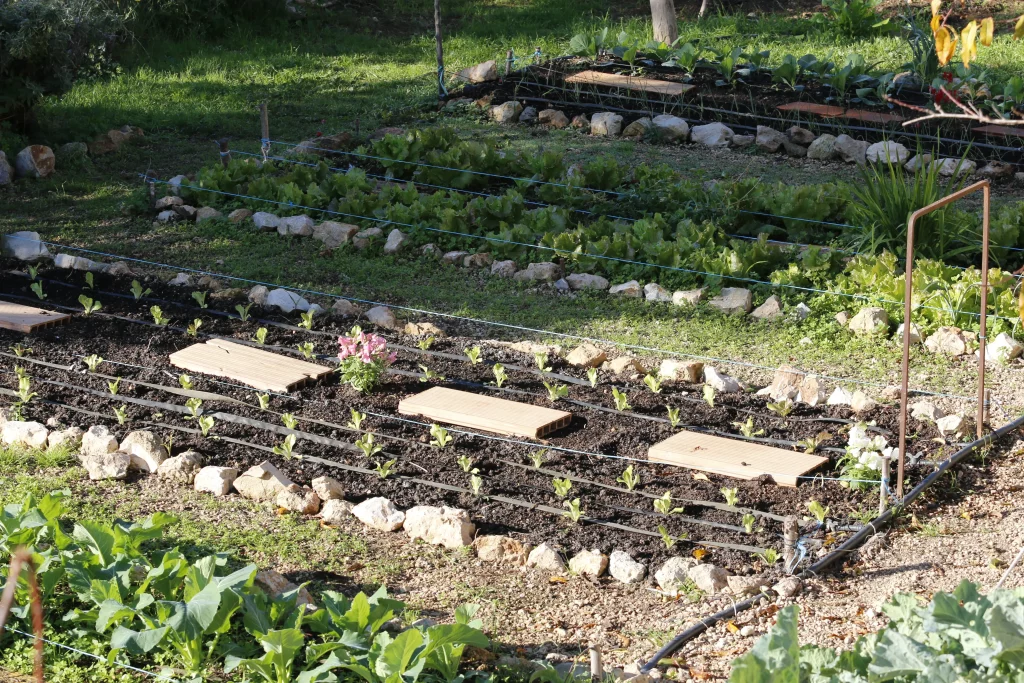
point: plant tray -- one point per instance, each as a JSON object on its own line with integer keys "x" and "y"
{"x": 733, "y": 458}
{"x": 485, "y": 413}
{"x": 630, "y": 83}
{"x": 28, "y": 319}
{"x": 253, "y": 367}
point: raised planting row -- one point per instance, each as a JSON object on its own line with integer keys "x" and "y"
{"x": 582, "y": 472}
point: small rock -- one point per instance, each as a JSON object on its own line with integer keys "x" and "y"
{"x": 343, "y": 308}
{"x": 720, "y": 382}
{"x": 923, "y": 410}
{"x": 674, "y": 573}
{"x": 481, "y": 73}
{"x": 748, "y": 630}
{"x": 800, "y": 136}
{"x": 505, "y": 269}
{"x": 503, "y": 549}
{"x": 180, "y": 280}
{"x": 215, "y": 480}
{"x": 298, "y": 500}
{"x": 605, "y": 123}
{"x": 182, "y": 468}
{"x": 261, "y": 482}
{"x": 801, "y": 311}
{"x": 689, "y": 371}
{"x": 947, "y": 168}
{"x": 168, "y": 202}
{"x": 35, "y": 161}
{"x": 72, "y": 152}
{"x": 638, "y": 128}
{"x": 812, "y": 392}
{"x": 688, "y": 297}
{"x": 207, "y": 213}
{"x": 481, "y": 260}
{"x": 24, "y": 246}
{"x": 915, "y": 333}
{"x": 843, "y": 318}
{"x": 285, "y": 300}
{"x": 580, "y": 121}
{"x": 28, "y": 434}
{"x": 276, "y": 585}
{"x": 328, "y": 488}
{"x": 70, "y": 437}
{"x": 788, "y": 587}
{"x": 793, "y": 149}
{"x": 1003, "y": 349}
{"x": 382, "y": 317}
{"x": 711, "y": 135}
{"x": 590, "y": 563}
{"x": 852, "y": 151}
{"x": 176, "y": 183}
{"x": 744, "y": 585}
{"x": 144, "y": 449}
{"x": 267, "y": 222}
{"x": 625, "y": 365}
{"x": 108, "y": 466}
{"x": 862, "y": 403}
{"x": 396, "y": 240}
{"x": 258, "y": 295}
{"x": 823, "y": 148}
{"x": 364, "y": 238}
{"x": 733, "y": 301}
{"x": 949, "y": 341}
{"x": 709, "y": 578}
{"x": 742, "y": 140}
{"x": 335, "y": 512}
{"x": 118, "y": 269}
{"x": 168, "y": 216}
{"x": 529, "y": 115}
{"x": 918, "y": 163}
{"x": 578, "y": 281}
{"x": 769, "y": 139}
{"x": 996, "y": 170}
{"x": 586, "y": 355}
{"x": 380, "y": 514}
{"x": 887, "y": 152}
{"x": 423, "y": 330}
{"x": 445, "y": 526}
{"x": 629, "y": 289}
{"x": 769, "y": 310}
{"x": 553, "y": 118}
{"x": 98, "y": 440}
{"x": 785, "y": 384}
{"x": 454, "y": 257}
{"x": 186, "y": 212}
{"x": 545, "y": 558}
{"x": 671, "y": 128}
{"x": 239, "y": 215}
{"x": 949, "y": 424}
{"x": 624, "y": 568}
{"x": 839, "y": 397}
{"x": 870, "y": 320}
{"x": 333, "y": 234}
{"x": 539, "y": 272}
{"x": 300, "y": 226}
{"x": 655, "y": 292}
{"x": 506, "y": 113}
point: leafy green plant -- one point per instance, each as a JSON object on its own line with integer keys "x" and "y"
{"x": 114, "y": 387}
{"x": 425, "y": 343}
{"x": 33, "y": 272}
{"x": 747, "y": 428}
{"x": 653, "y": 384}
{"x": 206, "y": 423}
{"x": 289, "y": 420}
{"x": 357, "y": 419}
{"x": 121, "y": 414}
{"x": 731, "y": 496}
{"x": 817, "y": 511}
{"x": 37, "y": 289}
{"x": 748, "y": 523}
{"x": 561, "y": 486}
{"x": 673, "y": 416}
{"x": 368, "y": 445}
{"x": 708, "y": 393}
{"x": 185, "y": 381}
{"x": 193, "y": 328}
{"x": 243, "y": 311}
{"x": 473, "y": 353}
{"x": 439, "y": 437}
{"x": 138, "y": 292}
{"x": 770, "y": 556}
{"x": 589, "y": 44}
{"x": 573, "y": 510}
{"x": 286, "y": 448}
{"x": 668, "y": 539}
{"x": 429, "y": 375}
{"x": 628, "y": 478}
{"x": 158, "y": 316}
{"x": 541, "y": 359}
{"x": 465, "y": 462}
{"x": 263, "y": 400}
{"x": 781, "y": 408}
{"x": 200, "y": 298}
{"x": 537, "y": 457}
{"x": 92, "y": 361}
{"x": 194, "y": 406}
{"x": 592, "y": 376}
{"x": 621, "y": 399}
{"x": 306, "y": 319}
{"x": 812, "y": 443}
{"x": 261, "y": 336}
{"x": 21, "y": 351}
{"x": 499, "y": 374}
{"x": 25, "y": 393}
{"x": 556, "y": 391}
{"x": 385, "y": 469}
{"x": 306, "y": 349}
{"x": 663, "y": 505}
{"x": 854, "y": 18}
{"x": 89, "y": 306}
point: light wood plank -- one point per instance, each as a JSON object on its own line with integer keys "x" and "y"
{"x": 254, "y": 367}
{"x": 630, "y": 83}
{"x": 27, "y": 318}
{"x": 733, "y": 458}
{"x": 486, "y": 413}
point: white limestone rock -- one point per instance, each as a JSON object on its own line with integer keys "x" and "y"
{"x": 590, "y": 563}
{"x": 215, "y": 480}
{"x": 285, "y": 300}
{"x": 624, "y": 568}
{"x": 380, "y": 514}
{"x": 445, "y": 526}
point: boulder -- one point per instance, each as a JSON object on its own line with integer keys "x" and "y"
{"x": 70, "y": 438}
{"x": 444, "y": 526}
{"x": 364, "y": 238}
{"x": 186, "y": 212}
{"x": 299, "y": 500}
{"x": 539, "y": 272}
{"x": 579, "y": 281}
{"x": 503, "y": 549}
{"x": 629, "y": 289}
{"x": 638, "y": 128}
{"x": 581, "y": 122}
{"x": 711, "y": 135}
{"x": 267, "y": 222}
{"x": 852, "y": 151}
{"x": 343, "y": 308}
{"x": 552, "y": 118}
{"x": 285, "y": 300}
{"x": 733, "y": 301}
{"x": 481, "y": 73}
{"x": 118, "y": 269}
{"x": 207, "y": 213}
{"x": 454, "y": 257}
{"x": 769, "y": 310}
{"x": 35, "y": 161}
{"x": 335, "y": 511}
{"x": 625, "y": 365}
{"x": 949, "y": 341}
{"x": 923, "y": 410}
{"x": 328, "y": 488}
{"x": 591, "y": 563}
{"x": 24, "y": 245}
{"x": 261, "y": 482}
{"x": 823, "y": 148}
{"x": 671, "y": 128}
{"x": 108, "y": 466}
{"x": 505, "y": 269}
{"x": 258, "y": 295}
{"x": 168, "y": 202}
{"x": 98, "y": 440}
{"x": 529, "y": 115}
{"x": 380, "y": 514}
{"x": 870, "y": 320}
{"x": 742, "y": 140}
{"x": 333, "y": 234}
{"x": 144, "y": 449}
{"x": 586, "y": 355}
{"x": 28, "y": 434}
{"x": 624, "y": 568}
{"x": 506, "y": 113}
{"x": 785, "y": 384}
{"x": 545, "y": 558}
{"x": 997, "y": 170}
{"x": 793, "y": 149}
{"x": 396, "y": 240}
{"x": 239, "y": 215}
{"x": 300, "y": 226}
{"x": 688, "y": 371}
{"x": 917, "y": 163}
{"x": 887, "y": 152}
{"x": 800, "y": 136}
{"x": 688, "y": 297}
{"x": 769, "y": 139}
{"x": 655, "y": 292}
{"x": 605, "y": 123}
{"x": 708, "y": 578}
{"x": 948, "y": 168}
{"x": 423, "y": 329}
{"x": 168, "y": 216}
{"x": 69, "y": 262}
{"x": 215, "y": 480}
{"x": 812, "y": 392}
{"x": 1003, "y": 348}
{"x": 182, "y": 468}
{"x": 382, "y": 317}
{"x": 674, "y": 573}
{"x": 720, "y": 382}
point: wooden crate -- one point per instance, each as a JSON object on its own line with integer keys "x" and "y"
{"x": 486, "y": 413}
{"x": 256, "y": 368}
{"x": 28, "y": 319}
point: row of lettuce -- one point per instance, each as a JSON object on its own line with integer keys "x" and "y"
{"x": 120, "y": 591}
{"x": 648, "y": 223}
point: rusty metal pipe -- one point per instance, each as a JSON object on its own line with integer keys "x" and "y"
{"x": 908, "y": 288}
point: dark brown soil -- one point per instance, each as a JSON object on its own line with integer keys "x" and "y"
{"x": 134, "y": 349}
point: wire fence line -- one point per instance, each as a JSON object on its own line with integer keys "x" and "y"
{"x": 480, "y": 321}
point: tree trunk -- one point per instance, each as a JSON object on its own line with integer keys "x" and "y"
{"x": 663, "y": 17}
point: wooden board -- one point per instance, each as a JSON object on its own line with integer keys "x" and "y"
{"x": 1001, "y": 131}
{"x": 872, "y": 116}
{"x": 28, "y": 319}
{"x": 485, "y": 413}
{"x": 254, "y": 367}
{"x": 630, "y": 83}
{"x": 825, "y": 110}
{"x": 733, "y": 458}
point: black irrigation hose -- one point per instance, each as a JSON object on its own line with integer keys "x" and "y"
{"x": 844, "y": 550}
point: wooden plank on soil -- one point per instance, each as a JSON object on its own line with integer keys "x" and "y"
{"x": 733, "y": 458}
{"x": 254, "y": 367}
{"x": 825, "y": 110}
{"x": 485, "y": 413}
{"x": 28, "y": 319}
{"x": 1001, "y": 131}
{"x": 630, "y": 83}
{"x": 872, "y": 116}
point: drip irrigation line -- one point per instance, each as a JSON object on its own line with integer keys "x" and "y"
{"x": 644, "y": 264}
{"x": 845, "y": 550}
{"x": 450, "y": 316}
{"x": 104, "y": 660}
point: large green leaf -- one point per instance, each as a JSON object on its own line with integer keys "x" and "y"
{"x": 137, "y": 642}
{"x": 398, "y": 657}
{"x": 112, "y": 611}
{"x": 98, "y": 538}
{"x": 192, "y": 618}
{"x": 1006, "y": 628}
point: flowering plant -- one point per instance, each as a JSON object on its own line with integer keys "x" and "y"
{"x": 364, "y": 359}
{"x": 864, "y": 454}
